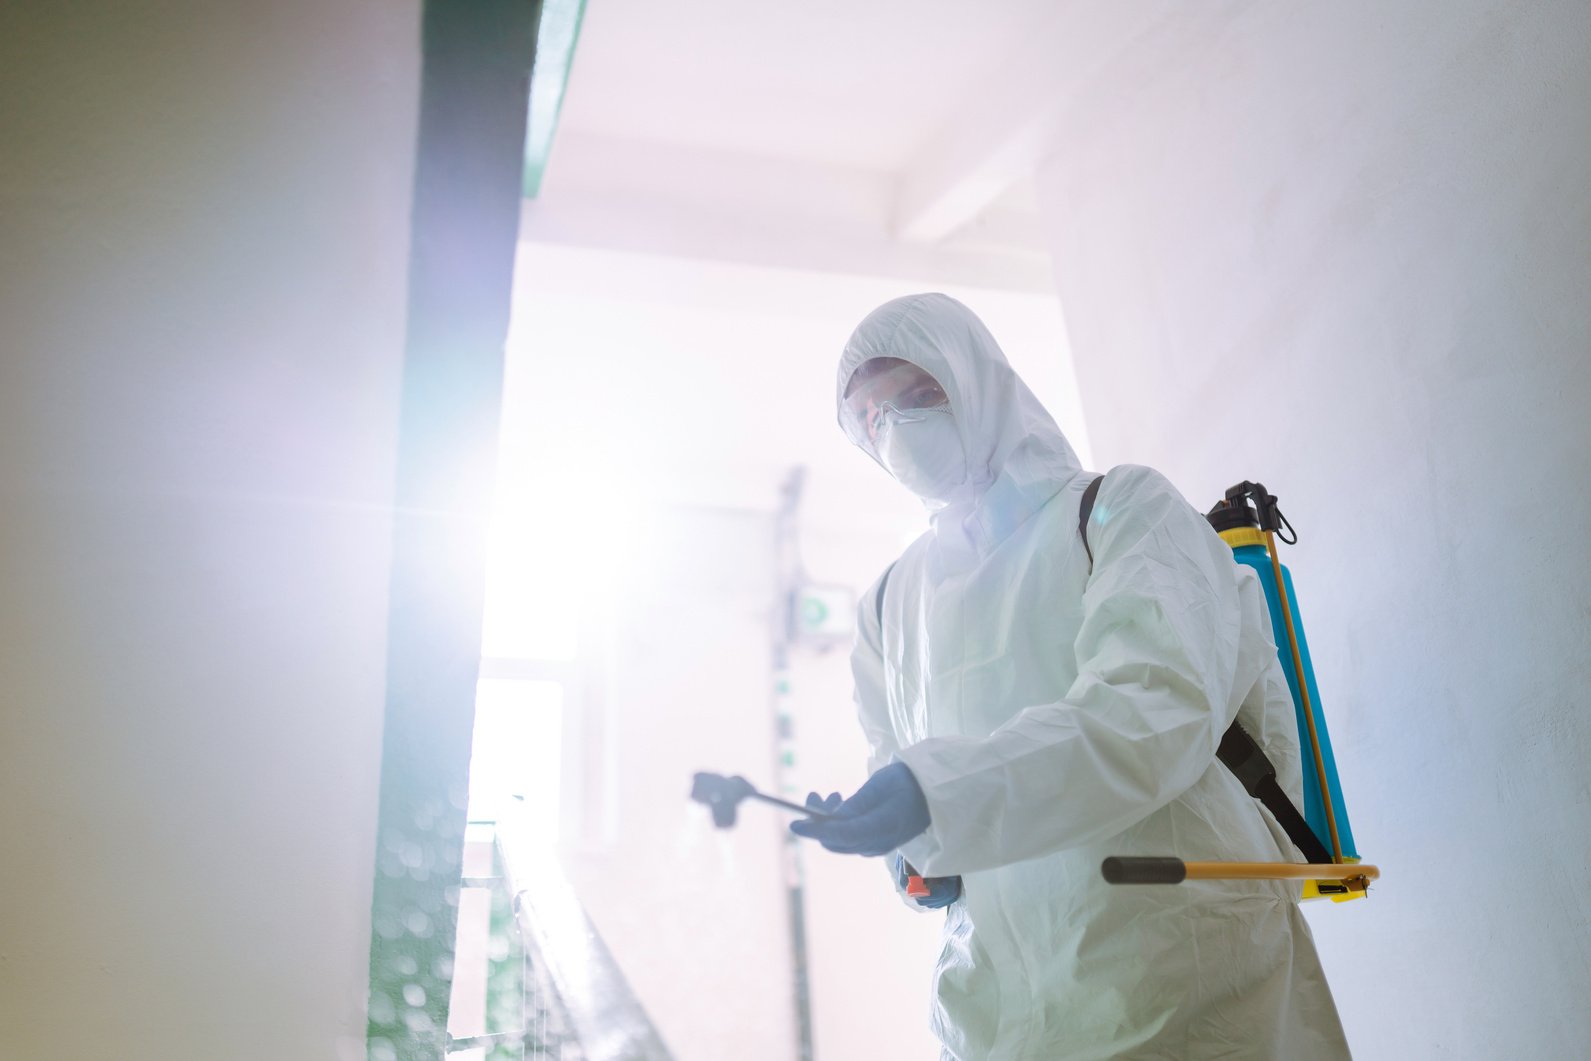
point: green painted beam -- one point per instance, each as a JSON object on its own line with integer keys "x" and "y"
{"x": 474, "y": 91}
{"x": 556, "y": 37}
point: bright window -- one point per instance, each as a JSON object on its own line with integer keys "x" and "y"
{"x": 514, "y": 769}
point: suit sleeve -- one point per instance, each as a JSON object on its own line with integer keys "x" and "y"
{"x": 1157, "y": 656}
{"x": 872, "y": 707}
{"x": 867, "y": 673}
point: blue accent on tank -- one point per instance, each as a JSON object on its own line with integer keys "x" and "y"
{"x": 1314, "y": 807}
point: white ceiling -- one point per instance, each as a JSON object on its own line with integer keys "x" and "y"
{"x": 889, "y": 138}
{"x": 734, "y": 184}
{"x": 865, "y": 84}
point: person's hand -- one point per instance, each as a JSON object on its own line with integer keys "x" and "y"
{"x": 888, "y": 810}
{"x": 824, "y": 804}
{"x": 942, "y": 891}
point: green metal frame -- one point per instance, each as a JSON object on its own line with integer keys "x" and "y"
{"x": 556, "y": 36}
{"x": 474, "y": 93}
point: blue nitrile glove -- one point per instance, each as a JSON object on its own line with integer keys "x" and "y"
{"x": 888, "y": 810}
{"x": 942, "y": 891}
{"x": 825, "y": 805}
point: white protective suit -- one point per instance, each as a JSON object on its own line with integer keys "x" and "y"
{"x": 1056, "y": 712}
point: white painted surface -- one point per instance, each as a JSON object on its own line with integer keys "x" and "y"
{"x": 680, "y": 201}
{"x": 1343, "y": 249}
{"x": 847, "y": 84}
{"x": 808, "y": 137}
{"x": 704, "y": 381}
{"x": 203, "y": 222}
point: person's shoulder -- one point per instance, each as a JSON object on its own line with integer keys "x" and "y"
{"x": 1124, "y": 477}
{"x": 1141, "y": 490}
{"x": 868, "y": 604}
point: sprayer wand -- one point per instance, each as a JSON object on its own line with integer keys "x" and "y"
{"x": 723, "y": 795}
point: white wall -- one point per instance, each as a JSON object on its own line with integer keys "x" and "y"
{"x": 1343, "y": 249}
{"x": 203, "y": 223}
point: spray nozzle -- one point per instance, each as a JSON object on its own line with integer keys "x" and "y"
{"x": 723, "y": 795}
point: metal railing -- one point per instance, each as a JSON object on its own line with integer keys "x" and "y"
{"x": 553, "y": 990}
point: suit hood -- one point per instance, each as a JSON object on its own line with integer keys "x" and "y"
{"x": 1017, "y": 456}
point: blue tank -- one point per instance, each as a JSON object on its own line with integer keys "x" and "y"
{"x": 1257, "y": 557}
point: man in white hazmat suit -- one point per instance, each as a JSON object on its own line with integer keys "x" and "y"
{"x": 1032, "y": 709}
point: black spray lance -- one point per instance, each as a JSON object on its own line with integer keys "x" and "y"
{"x": 723, "y": 795}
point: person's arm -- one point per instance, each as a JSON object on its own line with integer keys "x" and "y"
{"x": 867, "y": 674}
{"x": 872, "y": 711}
{"x": 1158, "y": 656}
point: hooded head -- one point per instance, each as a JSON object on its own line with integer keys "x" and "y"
{"x": 1012, "y": 452}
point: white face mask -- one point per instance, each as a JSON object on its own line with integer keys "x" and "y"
{"x": 922, "y": 450}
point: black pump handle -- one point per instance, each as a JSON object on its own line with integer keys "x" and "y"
{"x": 1128, "y": 870}
{"x": 1270, "y": 515}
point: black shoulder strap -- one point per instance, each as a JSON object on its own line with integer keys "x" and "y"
{"x": 1240, "y": 752}
{"x": 878, "y": 602}
{"x": 1243, "y": 756}
{"x": 1085, "y": 510}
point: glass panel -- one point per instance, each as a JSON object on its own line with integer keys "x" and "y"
{"x": 467, "y": 1009}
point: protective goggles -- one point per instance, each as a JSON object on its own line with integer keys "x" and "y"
{"x": 884, "y": 386}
